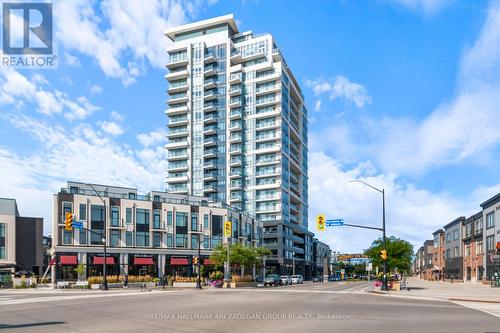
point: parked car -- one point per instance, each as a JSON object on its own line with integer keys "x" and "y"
{"x": 318, "y": 278}
{"x": 297, "y": 279}
{"x": 286, "y": 280}
{"x": 272, "y": 280}
{"x": 333, "y": 278}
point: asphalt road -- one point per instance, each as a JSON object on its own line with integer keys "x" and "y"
{"x": 328, "y": 307}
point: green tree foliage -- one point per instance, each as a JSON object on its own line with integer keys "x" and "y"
{"x": 239, "y": 255}
{"x": 399, "y": 254}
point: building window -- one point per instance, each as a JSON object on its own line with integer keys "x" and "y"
{"x": 170, "y": 240}
{"x": 156, "y": 219}
{"x": 128, "y": 215}
{"x": 455, "y": 252}
{"x": 169, "y": 218}
{"x": 206, "y": 242}
{"x": 115, "y": 216}
{"x": 83, "y": 212}
{"x": 490, "y": 243}
{"x": 194, "y": 241}
{"x": 67, "y": 237}
{"x": 73, "y": 190}
{"x": 83, "y": 237}
{"x": 181, "y": 219}
{"x": 205, "y": 221}
{"x": 67, "y": 207}
{"x": 479, "y": 247}
{"x": 3, "y": 241}
{"x": 467, "y": 250}
{"x": 479, "y": 226}
{"x": 115, "y": 238}
{"x": 194, "y": 221}
{"x": 156, "y": 198}
{"x": 142, "y": 227}
{"x": 96, "y": 224}
{"x": 181, "y": 240}
{"x": 129, "y": 237}
{"x": 448, "y": 238}
{"x": 490, "y": 220}
{"x": 156, "y": 239}
{"x": 455, "y": 235}
{"x": 131, "y": 196}
{"x": 447, "y": 255}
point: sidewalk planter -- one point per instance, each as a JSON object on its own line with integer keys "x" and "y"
{"x": 184, "y": 284}
{"x": 95, "y": 286}
{"x": 242, "y": 284}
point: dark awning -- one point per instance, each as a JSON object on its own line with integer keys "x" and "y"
{"x": 68, "y": 260}
{"x": 100, "y": 260}
{"x": 179, "y": 261}
{"x": 143, "y": 261}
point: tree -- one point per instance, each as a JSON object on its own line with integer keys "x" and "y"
{"x": 399, "y": 254}
{"x": 80, "y": 270}
{"x": 239, "y": 255}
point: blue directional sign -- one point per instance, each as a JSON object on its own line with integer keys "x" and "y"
{"x": 77, "y": 225}
{"x": 335, "y": 223}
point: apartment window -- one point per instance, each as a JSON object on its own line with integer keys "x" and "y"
{"x": 156, "y": 198}
{"x": 194, "y": 221}
{"x": 115, "y": 216}
{"x": 131, "y": 196}
{"x": 156, "y": 239}
{"x": 83, "y": 212}
{"x": 490, "y": 220}
{"x": 490, "y": 243}
{"x": 156, "y": 219}
{"x": 129, "y": 237}
{"x": 67, "y": 207}
{"x": 447, "y": 255}
{"x": 128, "y": 215}
{"x": 115, "y": 238}
{"x": 479, "y": 226}
{"x": 206, "y": 242}
{"x": 181, "y": 219}
{"x": 96, "y": 224}
{"x": 170, "y": 240}
{"x": 83, "y": 237}
{"x": 181, "y": 240}
{"x": 479, "y": 247}
{"x": 455, "y": 235}
{"x": 468, "y": 230}
{"x": 467, "y": 250}
{"x": 448, "y": 238}
{"x": 3, "y": 241}
{"x": 67, "y": 237}
{"x": 142, "y": 227}
{"x": 194, "y": 241}
{"x": 205, "y": 221}
{"x": 169, "y": 218}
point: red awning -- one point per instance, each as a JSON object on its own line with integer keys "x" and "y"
{"x": 208, "y": 262}
{"x": 100, "y": 260}
{"x": 179, "y": 261}
{"x": 143, "y": 261}
{"x": 68, "y": 260}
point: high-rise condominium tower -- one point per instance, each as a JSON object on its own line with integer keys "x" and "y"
{"x": 238, "y": 132}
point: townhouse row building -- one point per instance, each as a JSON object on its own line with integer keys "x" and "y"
{"x": 466, "y": 249}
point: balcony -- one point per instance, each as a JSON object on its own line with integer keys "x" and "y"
{"x": 174, "y": 167}
{"x": 235, "y": 78}
{"x": 209, "y": 130}
{"x": 235, "y": 161}
{"x": 235, "y": 173}
{"x": 267, "y": 172}
{"x": 209, "y": 118}
{"x": 262, "y": 102}
{"x": 265, "y": 89}
{"x": 235, "y": 126}
{"x": 236, "y": 57}
{"x": 235, "y": 183}
{"x": 209, "y": 58}
{"x": 178, "y": 189}
{"x": 210, "y": 95}
{"x": 177, "y": 144}
{"x": 175, "y": 88}
{"x": 175, "y": 180}
{"x": 210, "y": 188}
{"x": 234, "y": 150}
{"x": 262, "y": 137}
{"x": 172, "y": 111}
{"x": 294, "y": 219}
{"x": 267, "y": 160}
{"x": 177, "y": 156}
{"x": 210, "y": 176}
{"x": 210, "y": 84}
{"x": 210, "y": 165}
{"x": 235, "y": 114}
{"x": 178, "y": 60}
{"x": 175, "y": 133}
{"x": 210, "y": 71}
{"x": 235, "y": 91}
{"x": 235, "y": 103}
{"x": 210, "y": 153}
{"x": 177, "y": 121}
{"x": 178, "y": 98}
{"x": 177, "y": 75}
{"x": 209, "y": 107}
{"x": 210, "y": 142}
{"x": 235, "y": 197}
{"x": 235, "y": 138}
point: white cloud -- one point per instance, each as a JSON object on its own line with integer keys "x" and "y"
{"x": 317, "y": 105}
{"x": 95, "y": 89}
{"x": 341, "y": 87}
{"x": 123, "y": 36}
{"x": 81, "y": 153}
{"x": 71, "y": 60}
{"x": 425, "y": 6}
{"x": 151, "y": 138}
{"x": 111, "y": 128}
{"x": 411, "y": 213}
{"x": 117, "y": 116}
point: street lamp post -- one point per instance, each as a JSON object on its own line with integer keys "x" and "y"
{"x": 384, "y": 239}
{"x": 105, "y": 280}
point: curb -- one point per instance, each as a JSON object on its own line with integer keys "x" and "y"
{"x": 451, "y": 299}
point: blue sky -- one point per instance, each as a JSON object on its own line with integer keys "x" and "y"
{"x": 401, "y": 93}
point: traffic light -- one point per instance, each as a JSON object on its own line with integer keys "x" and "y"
{"x": 383, "y": 254}
{"x": 68, "y": 222}
{"x": 320, "y": 222}
{"x": 196, "y": 260}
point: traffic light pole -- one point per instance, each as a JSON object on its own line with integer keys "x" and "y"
{"x": 198, "y": 282}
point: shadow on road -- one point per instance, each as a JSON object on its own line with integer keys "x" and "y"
{"x": 10, "y": 326}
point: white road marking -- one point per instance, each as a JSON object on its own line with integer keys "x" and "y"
{"x": 489, "y": 308}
